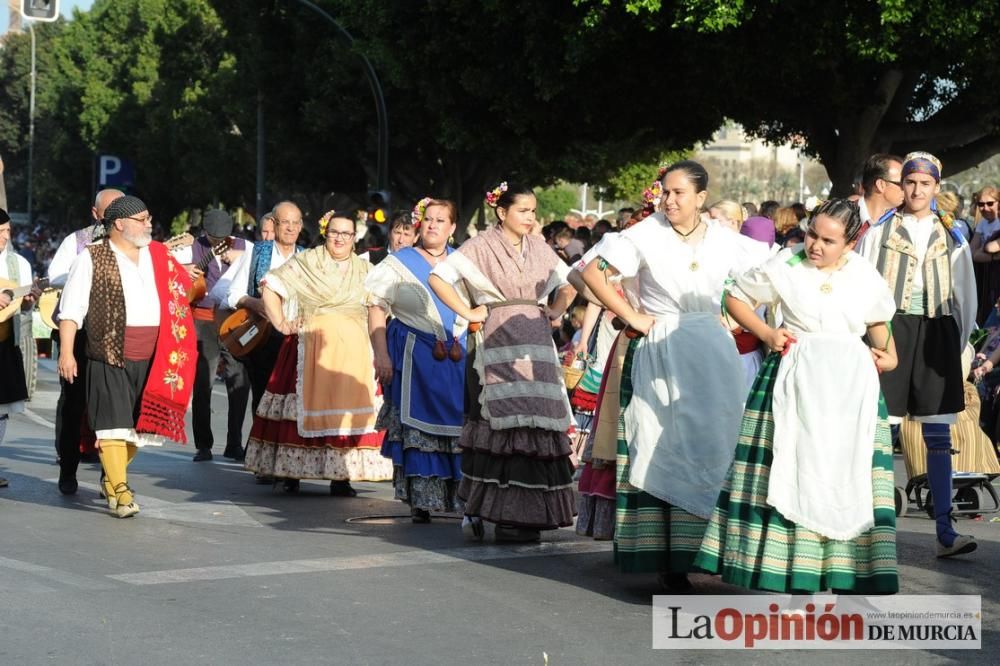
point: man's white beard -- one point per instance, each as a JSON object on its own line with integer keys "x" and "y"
{"x": 139, "y": 240}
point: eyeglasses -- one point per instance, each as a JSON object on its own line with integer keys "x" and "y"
{"x": 290, "y": 223}
{"x": 141, "y": 220}
{"x": 897, "y": 183}
{"x": 340, "y": 234}
{"x": 986, "y": 204}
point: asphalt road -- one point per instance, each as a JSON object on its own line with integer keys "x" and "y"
{"x": 219, "y": 570}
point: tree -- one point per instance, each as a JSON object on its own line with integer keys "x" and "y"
{"x": 628, "y": 181}
{"x": 477, "y": 93}
{"x": 850, "y": 78}
{"x": 555, "y": 201}
{"x": 148, "y": 80}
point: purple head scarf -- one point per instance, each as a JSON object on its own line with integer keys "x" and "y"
{"x": 759, "y": 228}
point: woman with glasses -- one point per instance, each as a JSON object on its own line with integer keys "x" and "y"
{"x": 317, "y": 417}
{"x": 986, "y": 251}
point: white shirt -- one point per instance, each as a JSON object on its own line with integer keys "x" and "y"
{"x": 241, "y": 275}
{"x": 142, "y": 301}
{"x": 920, "y": 230}
{"x": 812, "y": 301}
{"x": 219, "y": 296}
{"x": 675, "y": 277}
{"x": 23, "y": 267}
{"x": 62, "y": 261}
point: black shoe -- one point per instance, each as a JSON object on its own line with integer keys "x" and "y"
{"x": 342, "y": 489}
{"x": 234, "y": 454}
{"x": 420, "y": 516}
{"x": 290, "y": 485}
{"x": 67, "y": 483}
{"x": 203, "y": 455}
{"x": 676, "y": 583}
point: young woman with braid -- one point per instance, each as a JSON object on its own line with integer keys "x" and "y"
{"x": 808, "y": 502}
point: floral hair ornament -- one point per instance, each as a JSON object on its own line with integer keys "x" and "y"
{"x": 493, "y": 196}
{"x": 325, "y": 221}
{"x": 419, "y": 211}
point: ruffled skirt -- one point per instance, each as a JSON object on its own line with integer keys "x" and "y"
{"x": 426, "y": 468}
{"x": 275, "y": 447}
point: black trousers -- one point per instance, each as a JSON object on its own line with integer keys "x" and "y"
{"x": 237, "y": 387}
{"x": 260, "y": 364}
{"x": 71, "y": 409}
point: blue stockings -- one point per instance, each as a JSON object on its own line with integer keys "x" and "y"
{"x": 937, "y": 437}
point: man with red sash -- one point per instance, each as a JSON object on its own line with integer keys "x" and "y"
{"x": 131, "y": 296}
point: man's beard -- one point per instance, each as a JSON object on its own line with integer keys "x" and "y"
{"x": 141, "y": 239}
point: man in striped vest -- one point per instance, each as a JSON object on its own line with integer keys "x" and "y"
{"x": 927, "y": 264}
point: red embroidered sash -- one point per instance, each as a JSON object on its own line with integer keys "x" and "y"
{"x": 168, "y": 388}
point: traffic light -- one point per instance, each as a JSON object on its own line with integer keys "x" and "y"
{"x": 379, "y": 203}
{"x": 40, "y": 10}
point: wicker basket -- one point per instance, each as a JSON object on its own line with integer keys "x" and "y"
{"x": 572, "y": 376}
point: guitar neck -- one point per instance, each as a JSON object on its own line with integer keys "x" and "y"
{"x": 212, "y": 254}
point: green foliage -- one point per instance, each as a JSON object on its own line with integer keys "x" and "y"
{"x": 555, "y": 201}
{"x": 181, "y": 223}
{"x": 628, "y": 182}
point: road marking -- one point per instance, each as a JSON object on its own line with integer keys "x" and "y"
{"x": 56, "y": 575}
{"x": 407, "y": 558}
{"x": 36, "y": 419}
{"x": 216, "y": 512}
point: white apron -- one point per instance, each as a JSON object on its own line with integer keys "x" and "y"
{"x": 681, "y": 442}
{"x": 821, "y": 476}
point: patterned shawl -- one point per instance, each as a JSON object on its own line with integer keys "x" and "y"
{"x": 335, "y": 388}
{"x": 515, "y": 356}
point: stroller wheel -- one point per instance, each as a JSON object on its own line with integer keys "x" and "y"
{"x": 902, "y": 503}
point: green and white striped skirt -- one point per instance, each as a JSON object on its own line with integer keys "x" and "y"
{"x": 752, "y": 545}
{"x": 651, "y": 535}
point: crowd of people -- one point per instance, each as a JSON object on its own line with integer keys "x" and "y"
{"x": 739, "y": 372}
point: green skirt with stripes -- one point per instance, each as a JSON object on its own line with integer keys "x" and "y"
{"x": 651, "y": 535}
{"x": 752, "y": 545}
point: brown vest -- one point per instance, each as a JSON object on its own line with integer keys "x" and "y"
{"x": 106, "y": 313}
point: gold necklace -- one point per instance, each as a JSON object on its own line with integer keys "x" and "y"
{"x": 826, "y": 287}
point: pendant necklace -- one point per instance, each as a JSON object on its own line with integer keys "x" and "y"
{"x": 694, "y": 266}
{"x": 826, "y": 287}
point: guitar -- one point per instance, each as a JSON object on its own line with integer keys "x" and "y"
{"x": 199, "y": 288}
{"x": 17, "y": 294}
{"x": 243, "y": 330}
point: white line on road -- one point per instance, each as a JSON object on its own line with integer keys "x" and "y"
{"x": 48, "y": 573}
{"x": 368, "y": 561}
{"x": 35, "y": 418}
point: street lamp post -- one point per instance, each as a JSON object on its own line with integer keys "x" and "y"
{"x": 31, "y": 124}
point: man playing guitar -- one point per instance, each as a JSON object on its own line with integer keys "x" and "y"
{"x": 208, "y": 259}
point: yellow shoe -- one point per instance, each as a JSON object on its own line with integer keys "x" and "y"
{"x": 125, "y": 505}
{"x": 125, "y": 510}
